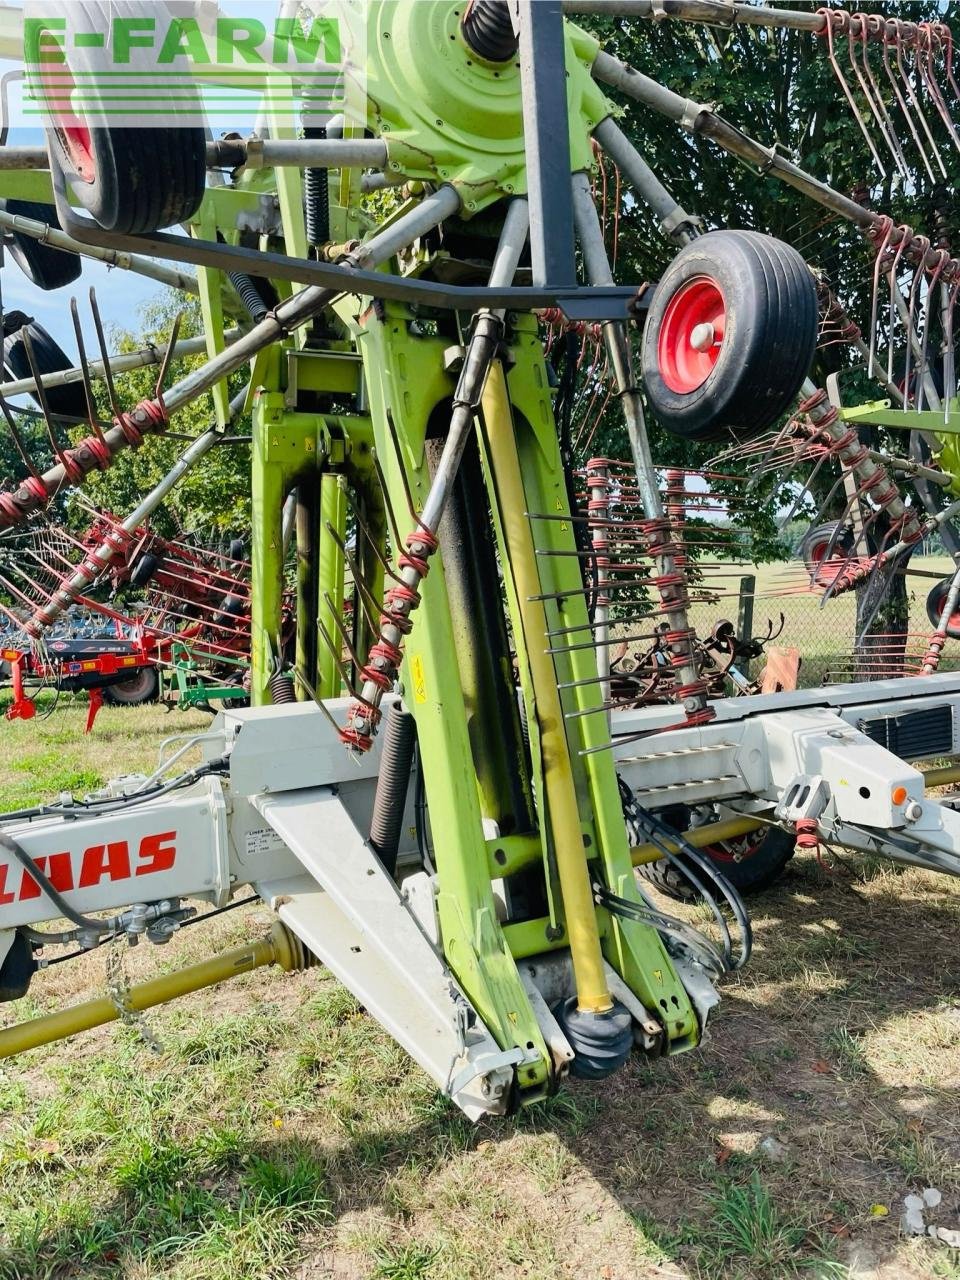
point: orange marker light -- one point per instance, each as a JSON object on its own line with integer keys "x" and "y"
{"x": 899, "y": 795}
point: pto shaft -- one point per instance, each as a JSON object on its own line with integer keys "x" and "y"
{"x": 281, "y": 947}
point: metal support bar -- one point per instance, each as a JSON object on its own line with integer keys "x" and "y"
{"x": 547, "y": 136}
{"x": 675, "y": 222}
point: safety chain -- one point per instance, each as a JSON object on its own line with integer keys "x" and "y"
{"x": 118, "y": 989}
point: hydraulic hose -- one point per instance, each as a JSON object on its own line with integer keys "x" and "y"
{"x": 396, "y": 765}
{"x": 249, "y": 295}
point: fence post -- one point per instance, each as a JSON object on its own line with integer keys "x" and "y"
{"x": 748, "y": 589}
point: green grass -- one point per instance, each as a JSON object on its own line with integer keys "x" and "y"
{"x": 284, "y": 1134}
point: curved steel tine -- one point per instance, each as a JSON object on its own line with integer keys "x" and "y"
{"x": 842, "y": 19}
{"x": 388, "y": 505}
{"x": 366, "y": 595}
{"x": 403, "y": 478}
{"x": 872, "y": 93}
{"x": 42, "y": 397}
{"x": 167, "y": 357}
{"x": 104, "y": 354}
{"x": 875, "y": 299}
{"x": 315, "y": 697}
{"x": 932, "y": 283}
{"x": 17, "y": 438}
{"x": 372, "y": 542}
{"x": 929, "y": 75}
{"x": 904, "y": 108}
{"x": 85, "y": 370}
{"x": 912, "y": 94}
{"x": 905, "y": 234}
{"x": 341, "y": 627}
{"x": 912, "y": 337}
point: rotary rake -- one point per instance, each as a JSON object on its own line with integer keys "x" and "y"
{"x": 451, "y": 812}
{"x": 191, "y": 617}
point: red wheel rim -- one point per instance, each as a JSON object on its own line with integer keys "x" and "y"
{"x": 728, "y": 850}
{"x": 76, "y": 143}
{"x": 823, "y": 571}
{"x": 74, "y": 135}
{"x": 691, "y": 335}
{"x": 938, "y": 598}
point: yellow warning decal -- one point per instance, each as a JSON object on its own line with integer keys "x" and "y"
{"x": 419, "y": 679}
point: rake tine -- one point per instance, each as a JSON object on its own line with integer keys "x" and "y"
{"x": 912, "y": 95}
{"x": 372, "y": 542}
{"x": 104, "y": 354}
{"x": 366, "y": 596}
{"x": 312, "y": 693}
{"x": 847, "y": 91}
{"x": 17, "y": 438}
{"x": 391, "y": 514}
{"x": 408, "y": 495}
{"x": 167, "y": 358}
{"x": 85, "y": 370}
{"x": 872, "y": 93}
{"x": 42, "y": 397}
{"x": 340, "y": 664}
{"x": 885, "y": 46}
{"x": 341, "y": 628}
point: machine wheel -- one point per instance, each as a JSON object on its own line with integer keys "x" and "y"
{"x": 751, "y": 863}
{"x": 132, "y": 181}
{"x": 816, "y": 542}
{"x": 43, "y": 266}
{"x": 935, "y": 602}
{"x": 140, "y": 688}
{"x": 730, "y": 335}
{"x": 70, "y": 400}
{"x": 144, "y": 570}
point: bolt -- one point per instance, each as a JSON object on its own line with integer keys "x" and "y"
{"x": 913, "y": 811}
{"x": 703, "y": 337}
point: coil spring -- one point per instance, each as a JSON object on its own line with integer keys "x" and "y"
{"x": 249, "y": 295}
{"x": 281, "y": 689}
{"x": 316, "y": 197}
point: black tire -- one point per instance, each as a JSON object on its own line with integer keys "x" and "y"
{"x": 140, "y": 688}
{"x": 144, "y": 570}
{"x": 763, "y": 855}
{"x": 768, "y": 304}
{"x": 141, "y": 180}
{"x": 936, "y": 599}
{"x": 50, "y": 357}
{"x": 45, "y": 267}
{"x": 817, "y": 541}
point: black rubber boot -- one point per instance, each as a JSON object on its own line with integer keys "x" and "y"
{"x": 601, "y": 1041}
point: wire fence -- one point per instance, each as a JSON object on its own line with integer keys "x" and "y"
{"x": 826, "y": 636}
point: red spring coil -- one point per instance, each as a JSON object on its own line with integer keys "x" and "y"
{"x": 355, "y": 739}
{"x": 98, "y": 450}
{"x": 808, "y": 833}
{"x": 935, "y": 649}
{"x": 703, "y": 716}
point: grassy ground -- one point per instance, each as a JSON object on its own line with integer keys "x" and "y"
{"x": 282, "y": 1133}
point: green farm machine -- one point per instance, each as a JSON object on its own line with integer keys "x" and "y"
{"x": 447, "y": 785}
